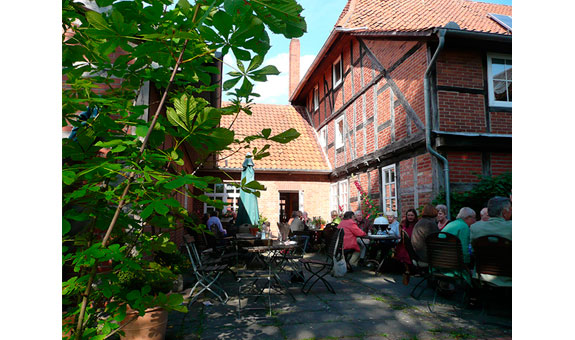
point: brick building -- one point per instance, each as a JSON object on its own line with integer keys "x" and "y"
{"x": 413, "y": 98}
{"x": 399, "y": 92}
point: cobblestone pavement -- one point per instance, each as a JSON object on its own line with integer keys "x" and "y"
{"x": 365, "y": 307}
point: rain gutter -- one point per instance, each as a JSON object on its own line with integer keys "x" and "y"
{"x": 427, "y": 100}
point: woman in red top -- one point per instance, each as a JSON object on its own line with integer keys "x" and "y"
{"x": 401, "y": 254}
{"x": 351, "y": 233}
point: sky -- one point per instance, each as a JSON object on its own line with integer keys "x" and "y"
{"x": 320, "y": 16}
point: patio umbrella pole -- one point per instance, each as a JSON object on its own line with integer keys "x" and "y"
{"x": 79, "y": 328}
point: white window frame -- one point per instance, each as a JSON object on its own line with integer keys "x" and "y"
{"x": 223, "y": 196}
{"x": 343, "y": 194}
{"x": 323, "y": 137}
{"x": 315, "y": 98}
{"x": 333, "y": 197}
{"x": 339, "y": 134}
{"x": 384, "y": 185}
{"x": 334, "y": 65}
{"x": 492, "y": 101}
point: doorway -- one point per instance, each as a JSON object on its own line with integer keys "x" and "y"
{"x": 289, "y": 202}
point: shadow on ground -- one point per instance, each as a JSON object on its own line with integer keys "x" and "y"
{"x": 365, "y": 307}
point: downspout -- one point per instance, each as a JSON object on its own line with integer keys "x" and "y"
{"x": 428, "y": 129}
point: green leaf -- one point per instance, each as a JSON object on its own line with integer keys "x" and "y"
{"x": 66, "y": 227}
{"x": 286, "y": 136}
{"x": 160, "y": 208}
{"x": 175, "y": 299}
{"x": 269, "y": 70}
{"x": 147, "y": 211}
{"x": 97, "y": 20}
{"x": 142, "y": 130}
{"x": 228, "y": 84}
{"x": 118, "y": 148}
{"x": 222, "y": 22}
{"x": 255, "y": 63}
{"x": 68, "y": 177}
{"x": 255, "y": 185}
{"x": 241, "y": 54}
{"x": 266, "y": 132}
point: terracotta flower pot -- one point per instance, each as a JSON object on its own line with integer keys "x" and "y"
{"x": 151, "y": 326}
{"x": 254, "y": 231}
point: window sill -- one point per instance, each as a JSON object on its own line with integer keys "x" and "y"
{"x": 495, "y": 108}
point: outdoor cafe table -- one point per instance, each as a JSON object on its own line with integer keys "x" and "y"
{"x": 274, "y": 254}
{"x": 376, "y": 240}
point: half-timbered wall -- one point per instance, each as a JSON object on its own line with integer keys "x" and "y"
{"x": 381, "y": 101}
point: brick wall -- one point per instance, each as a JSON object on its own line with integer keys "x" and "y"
{"x": 461, "y": 112}
{"x": 464, "y": 166}
{"x": 501, "y": 122}
{"x": 500, "y": 163}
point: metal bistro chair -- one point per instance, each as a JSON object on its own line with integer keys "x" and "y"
{"x": 422, "y": 267}
{"x": 319, "y": 269}
{"x": 206, "y": 276}
{"x": 444, "y": 255}
{"x": 492, "y": 257}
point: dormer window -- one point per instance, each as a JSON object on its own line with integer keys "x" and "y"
{"x": 337, "y": 73}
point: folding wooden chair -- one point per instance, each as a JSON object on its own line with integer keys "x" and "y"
{"x": 206, "y": 276}
{"x": 492, "y": 257}
{"x": 318, "y": 269}
{"x": 444, "y": 255}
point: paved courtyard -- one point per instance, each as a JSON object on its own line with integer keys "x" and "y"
{"x": 365, "y": 307}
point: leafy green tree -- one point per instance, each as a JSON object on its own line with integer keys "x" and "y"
{"x": 120, "y": 172}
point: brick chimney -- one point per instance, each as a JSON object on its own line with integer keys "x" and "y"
{"x": 294, "y": 54}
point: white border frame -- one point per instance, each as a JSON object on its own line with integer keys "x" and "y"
{"x": 333, "y": 82}
{"x": 492, "y": 101}
{"x": 315, "y": 98}
{"x": 383, "y": 195}
{"x": 337, "y": 146}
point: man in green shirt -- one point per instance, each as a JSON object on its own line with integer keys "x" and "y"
{"x": 499, "y": 224}
{"x": 460, "y": 228}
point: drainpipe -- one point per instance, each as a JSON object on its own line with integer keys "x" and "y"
{"x": 426, "y": 92}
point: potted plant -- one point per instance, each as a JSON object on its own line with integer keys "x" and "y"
{"x": 143, "y": 288}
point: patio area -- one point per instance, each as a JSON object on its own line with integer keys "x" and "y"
{"x": 365, "y": 307}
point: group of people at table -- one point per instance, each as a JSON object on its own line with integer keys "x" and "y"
{"x": 495, "y": 219}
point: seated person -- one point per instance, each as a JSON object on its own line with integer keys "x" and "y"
{"x": 442, "y": 220}
{"x": 460, "y": 228}
{"x": 425, "y": 226}
{"x": 393, "y": 227}
{"x": 335, "y": 218}
{"x": 215, "y": 225}
{"x": 365, "y": 226}
{"x": 351, "y": 233}
{"x": 499, "y": 224}
{"x": 295, "y": 222}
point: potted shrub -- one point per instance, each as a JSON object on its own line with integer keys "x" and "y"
{"x": 156, "y": 282}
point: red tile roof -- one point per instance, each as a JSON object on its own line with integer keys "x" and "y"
{"x": 421, "y": 15}
{"x": 302, "y": 154}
